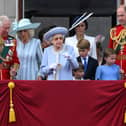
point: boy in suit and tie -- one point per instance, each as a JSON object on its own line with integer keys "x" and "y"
{"x": 90, "y": 64}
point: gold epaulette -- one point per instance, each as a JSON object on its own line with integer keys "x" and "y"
{"x": 1, "y": 41}
{"x": 113, "y": 33}
{"x": 120, "y": 38}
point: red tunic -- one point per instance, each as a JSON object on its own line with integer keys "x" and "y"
{"x": 118, "y": 43}
{"x": 10, "y": 59}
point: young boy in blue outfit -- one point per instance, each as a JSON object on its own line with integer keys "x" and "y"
{"x": 90, "y": 64}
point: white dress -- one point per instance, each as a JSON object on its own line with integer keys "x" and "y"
{"x": 72, "y": 41}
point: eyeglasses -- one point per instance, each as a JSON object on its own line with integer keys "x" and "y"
{"x": 58, "y": 38}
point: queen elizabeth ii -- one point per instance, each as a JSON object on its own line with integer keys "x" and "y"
{"x": 58, "y": 59}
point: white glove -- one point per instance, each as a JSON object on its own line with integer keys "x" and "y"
{"x": 53, "y": 66}
{"x": 67, "y": 56}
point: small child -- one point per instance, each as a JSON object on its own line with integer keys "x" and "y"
{"x": 78, "y": 73}
{"x": 90, "y": 64}
{"x": 109, "y": 70}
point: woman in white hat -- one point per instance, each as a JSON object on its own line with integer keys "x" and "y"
{"x": 79, "y": 27}
{"x": 28, "y": 49}
{"x": 58, "y": 59}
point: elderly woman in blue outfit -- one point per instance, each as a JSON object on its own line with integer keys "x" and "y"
{"x": 59, "y": 59}
{"x": 28, "y": 49}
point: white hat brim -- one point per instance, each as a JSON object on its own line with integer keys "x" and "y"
{"x": 26, "y": 27}
{"x": 80, "y": 20}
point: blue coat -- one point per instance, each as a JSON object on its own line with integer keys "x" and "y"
{"x": 30, "y": 55}
{"x": 65, "y": 70}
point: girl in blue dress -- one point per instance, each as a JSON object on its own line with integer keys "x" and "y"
{"x": 109, "y": 70}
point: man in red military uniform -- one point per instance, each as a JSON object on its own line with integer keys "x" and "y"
{"x": 9, "y": 62}
{"x": 118, "y": 39}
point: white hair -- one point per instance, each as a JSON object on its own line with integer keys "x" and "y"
{"x": 3, "y": 18}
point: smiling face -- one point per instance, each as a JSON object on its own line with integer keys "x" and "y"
{"x": 57, "y": 41}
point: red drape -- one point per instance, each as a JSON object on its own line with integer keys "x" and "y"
{"x": 64, "y": 103}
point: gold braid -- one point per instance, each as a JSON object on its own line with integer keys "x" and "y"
{"x": 121, "y": 38}
{"x": 1, "y": 41}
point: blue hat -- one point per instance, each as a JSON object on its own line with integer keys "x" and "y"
{"x": 54, "y": 31}
{"x": 23, "y": 24}
{"x": 79, "y": 20}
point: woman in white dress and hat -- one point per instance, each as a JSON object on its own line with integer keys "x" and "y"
{"x": 58, "y": 59}
{"x": 28, "y": 49}
{"x": 79, "y": 27}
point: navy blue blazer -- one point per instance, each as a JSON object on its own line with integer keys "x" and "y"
{"x": 91, "y": 68}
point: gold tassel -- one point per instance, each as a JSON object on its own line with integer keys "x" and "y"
{"x": 125, "y": 85}
{"x": 125, "y": 117}
{"x": 12, "y": 117}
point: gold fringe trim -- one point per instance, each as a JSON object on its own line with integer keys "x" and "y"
{"x": 125, "y": 85}
{"x": 125, "y": 117}
{"x": 12, "y": 117}
{"x": 125, "y": 110}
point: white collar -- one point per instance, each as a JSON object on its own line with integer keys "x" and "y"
{"x": 75, "y": 36}
{"x": 82, "y": 59}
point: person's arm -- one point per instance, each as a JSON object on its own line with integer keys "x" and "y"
{"x": 93, "y": 49}
{"x": 71, "y": 58}
{"x": 98, "y": 73}
{"x": 15, "y": 62}
{"x": 94, "y": 70}
{"x": 110, "y": 45}
{"x": 46, "y": 67}
{"x": 39, "y": 54}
